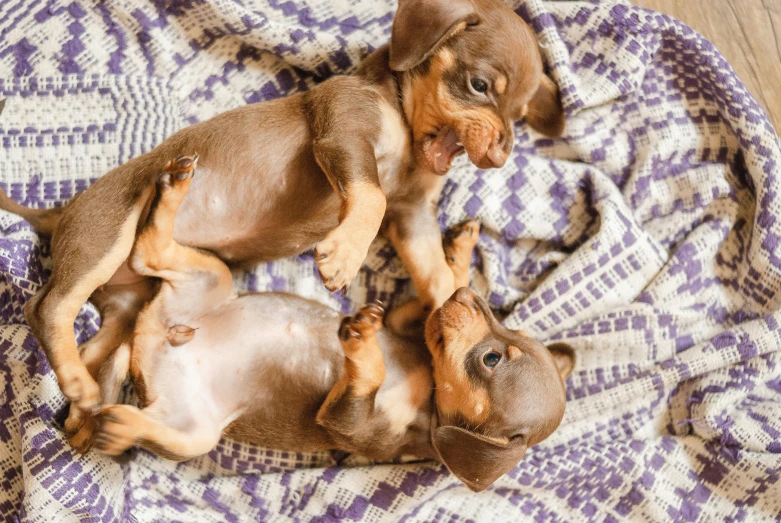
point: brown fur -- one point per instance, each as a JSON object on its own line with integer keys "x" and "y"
{"x": 323, "y": 168}
{"x": 283, "y": 386}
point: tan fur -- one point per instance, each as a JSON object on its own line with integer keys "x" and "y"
{"x": 429, "y": 273}
{"x": 455, "y": 393}
{"x": 460, "y": 241}
{"x": 403, "y": 402}
{"x": 343, "y": 250}
{"x": 364, "y": 366}
{"x": 456, "y": 396}
{"x": 501, "y": 84}
{"x": 429, "y": 105}
{"x": 112, "y": 376}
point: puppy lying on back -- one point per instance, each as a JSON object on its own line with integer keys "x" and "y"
{"x": 285, "y": 372}
{"x": 326, "y": 169}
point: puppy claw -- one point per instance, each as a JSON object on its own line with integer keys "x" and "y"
{"x": 184, "y": 162}
{"x": 74, "y": 421}
{"x": 180, "y": 169}
{"x": 83, "y": 440}
{"x": 460, "y": 239}
{"x": 346, "y": 332}
{"x": 366, "y": 322}
{"x": 470, "y": 227}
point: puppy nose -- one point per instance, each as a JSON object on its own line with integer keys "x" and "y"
{"x": 496, "y": 154}
{"x": 464, "y": 296}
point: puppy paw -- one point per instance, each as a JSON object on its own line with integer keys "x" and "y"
{"x": 74, "y": 420}
{"x": 117, "y": 429}
{"x": 82, "y": 439}
{"x": 338, "y": 259}
{"x": 78, "y": 386}
{"x": 176, "y": 176}
{"x": 361, "y": 326}
{"x": 460, "y": 239}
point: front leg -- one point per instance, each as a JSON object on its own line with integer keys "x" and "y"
{"x": 349, "y": 407}
{"x": 457, "y": 245}
{"x": 352, "y": 170}
{"x": 416, "y": 236}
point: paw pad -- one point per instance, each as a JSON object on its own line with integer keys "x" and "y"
{"x": 365, "y": 322}
{"x": 461, "y": 237}
{"x": 178, "y": 170}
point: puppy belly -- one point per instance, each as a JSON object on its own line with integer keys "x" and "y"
{"x": 260, "y": 215}
{"x": 268, "y": 359}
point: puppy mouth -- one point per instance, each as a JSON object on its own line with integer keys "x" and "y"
{"x": 440, "y": 147}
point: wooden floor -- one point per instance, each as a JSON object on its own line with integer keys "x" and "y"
{"x": 747, "y": 32}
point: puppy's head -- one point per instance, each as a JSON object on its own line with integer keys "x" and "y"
{"x": 469, "y": 68}
{"x": 498, "y": 392}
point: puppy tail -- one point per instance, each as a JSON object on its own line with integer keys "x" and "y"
{"x": 44, "y": 221}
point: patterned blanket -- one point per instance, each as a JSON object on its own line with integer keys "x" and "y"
{"x": 647, "y": 237}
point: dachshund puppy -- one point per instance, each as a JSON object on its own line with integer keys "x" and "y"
{"x": 285, "y": 372}
{"x": 326, "y": 168}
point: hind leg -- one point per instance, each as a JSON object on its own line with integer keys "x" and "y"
{"x": 86, "y": 252}
{"x": 194, "y": 282}
{"x": 123, "y": 426}
{"x": 119, "y": 305}
{"x": 111, "y": 376}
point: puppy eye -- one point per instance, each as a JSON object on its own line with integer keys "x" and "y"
{"x": 491, "y": 359}
{"x": 478, "y": 85}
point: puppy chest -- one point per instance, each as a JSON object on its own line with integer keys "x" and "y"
{"x": 392, "y": 147}
{"x": 402, "y": 399}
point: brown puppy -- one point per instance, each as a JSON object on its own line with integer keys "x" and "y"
{"x": 271, "y": 369}
{"x": 324, "y": 168}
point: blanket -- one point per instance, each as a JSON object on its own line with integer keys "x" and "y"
{"x": 647, "y": 237}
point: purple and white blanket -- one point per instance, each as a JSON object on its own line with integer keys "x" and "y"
{"x": 647, "y": 237}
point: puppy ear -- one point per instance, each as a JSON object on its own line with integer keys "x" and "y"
{"x": 564, "y": 357}
{"x": 420, "y": 26}
{"x": 544, "y": 112}
{"x": 476, "y": 460}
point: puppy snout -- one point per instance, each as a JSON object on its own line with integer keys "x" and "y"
{"x": 496, "y": 154}
{"x": 465, "y": 296}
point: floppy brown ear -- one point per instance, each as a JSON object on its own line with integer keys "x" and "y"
{"x": 420, "y": 26}
{"x": 544, "y": 112}
{"x": 476, "y": 460}
{"x": 564, "y": 357}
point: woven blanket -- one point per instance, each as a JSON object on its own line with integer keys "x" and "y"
{"x": 647, "y": 237}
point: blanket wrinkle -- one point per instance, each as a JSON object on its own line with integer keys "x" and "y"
{"x": 647, "y": 237}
